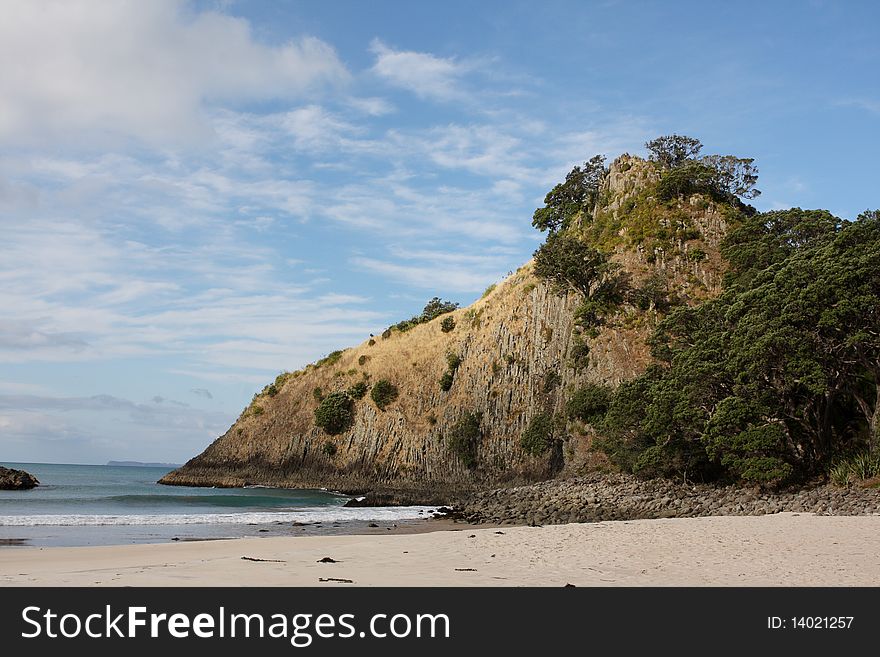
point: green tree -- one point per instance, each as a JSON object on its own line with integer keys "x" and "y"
{"x": 776, "y": 376}
{"x": 567, "y": 263}
{"x": 672, "y": 151}
{"x": 589, "y": 403}
{"x": 464, "y": 438}
{"x": 578, "y": 193}
{"x": 538, "y": 435}
{"x": 436, "y": 307}
{"x": 734, "y": 176}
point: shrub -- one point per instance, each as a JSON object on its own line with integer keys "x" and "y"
{"x": 386, "y": 333}
{"x": 551, "y": 380}
{"x": 538, "y": 436}
{"x": 652, "y": 293}
{"x": 464, "y": 438}
{"x": 432, "y": 419}
{"x": 446, "y": 381}
{"x": 329, "y": 449}
{"x": 357, "y": 390}
{"x": 447, "y": 325}
{"x": 589, "y": 403}
{"x": 271, "y": 390}
{"x": 489, "y": 290}
{"x": 434, "y": 308}
{"x": 318, "y": 394}
{"x": 495, "y": 367}
{"x": 371, "y": 342}
{"x": 856, "y": 468}
{"x": 330, "y": 358}
{"x": 383, "y": 393}
{"x": 579, "y": 353}
{"x": 363, "y": 358}
{"x": 335, "y": 413}
{"x": 453, "y": 361}
{"x": 256, "y": 409}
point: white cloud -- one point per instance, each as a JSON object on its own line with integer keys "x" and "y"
{"x": 423, "y": 74}
{"x": 313, "y": 128}
{"x": 82, "y": 71}
{"x": 372, "y": 106}
{"x": 429, "y": 274}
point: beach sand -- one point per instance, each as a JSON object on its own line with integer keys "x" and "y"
{"x": 777, "y": 550}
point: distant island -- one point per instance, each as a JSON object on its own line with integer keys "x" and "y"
{"x": 140, "y": 464}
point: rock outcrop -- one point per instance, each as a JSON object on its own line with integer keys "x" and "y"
{"x": 17, "y": 479}
{"x": 521, "y": 354}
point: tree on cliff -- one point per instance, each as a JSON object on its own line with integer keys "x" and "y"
{"x": 775, "y": 377}
{"x": 578, "y": 193}
{"x": 673, "y": 151}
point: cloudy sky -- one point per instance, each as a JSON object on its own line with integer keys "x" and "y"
{"x": 195, "y": 196}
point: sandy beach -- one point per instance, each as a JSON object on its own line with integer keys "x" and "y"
{"x": 775, "y": 550}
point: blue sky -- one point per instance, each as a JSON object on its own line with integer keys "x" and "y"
{"x": 195, "y": 196}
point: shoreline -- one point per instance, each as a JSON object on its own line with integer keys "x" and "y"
{"x": 786, "y": 549}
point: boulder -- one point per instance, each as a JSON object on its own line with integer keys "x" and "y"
{"x": 16, "y": 479}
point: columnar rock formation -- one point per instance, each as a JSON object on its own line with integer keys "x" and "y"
{"x": 516, "y": 349}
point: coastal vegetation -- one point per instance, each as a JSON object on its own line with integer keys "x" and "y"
{"x": 432, "y": 310}
{"x": 335, "y": 413}
{"x": 383, "y": 393}
{"x": 665, "y": 330}
{"x": 538, "y": 435}
{"x": 464, "y": 438}
{"x": 766, "y": 383}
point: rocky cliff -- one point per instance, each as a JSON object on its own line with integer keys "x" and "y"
{"x": 521, "y": 354}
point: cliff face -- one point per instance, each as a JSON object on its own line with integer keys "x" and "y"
{"x": 517, "y": 349}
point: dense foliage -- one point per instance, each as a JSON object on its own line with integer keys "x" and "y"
{"x": 589, "y": 403}
{"x": 383, "y": 393}
{"x": 672, "y": 151}
{"x": 432, "y": 310}
{"x": 578, "y": 193}
{"x": 464, "y": 438}
{"x": 335, "y": 413}
{"x": 447, "y": 325}
{"x": 570, "y": 264}
{"x": 774, "y": 378}
{"x": 453, "y": 361}
{"x": 721, "y": 177}
{"x": 538, "y": 435}
{"x": 357, "y": 390}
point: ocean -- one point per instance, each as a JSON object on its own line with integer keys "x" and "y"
{"x": 111, "y": 505}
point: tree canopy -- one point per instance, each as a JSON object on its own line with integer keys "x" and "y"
{"x": 578, "y": 193}
{"x": 673, "y": 150}
{"x": 775, "y": 377}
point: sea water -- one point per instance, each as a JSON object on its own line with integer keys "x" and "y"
{"x": 108, "y": 505}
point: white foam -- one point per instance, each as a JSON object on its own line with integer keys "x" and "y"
{"x": 310, "y": 514}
